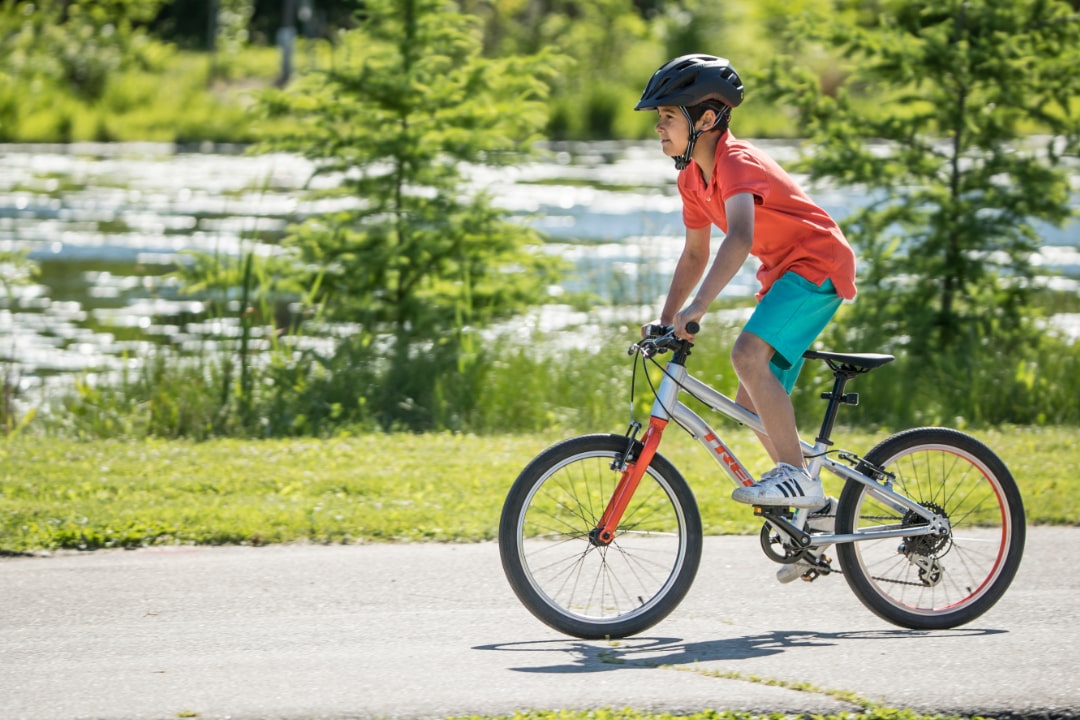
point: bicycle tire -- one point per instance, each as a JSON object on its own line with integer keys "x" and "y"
{"x": 929, "y": 583}
{"x": 589, "y": 591}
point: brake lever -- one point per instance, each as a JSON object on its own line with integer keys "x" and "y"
{"x": 646, "y": 347}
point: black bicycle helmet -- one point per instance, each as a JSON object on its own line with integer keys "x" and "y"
{"x": 690, "y": 80}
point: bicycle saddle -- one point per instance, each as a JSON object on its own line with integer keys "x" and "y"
{"x": 864, "y": 361}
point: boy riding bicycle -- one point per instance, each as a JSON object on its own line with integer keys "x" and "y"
{"x": 807, "y": 267}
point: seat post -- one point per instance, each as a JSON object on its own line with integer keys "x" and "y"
{"x": 844, "y": 366}
{"x": 836, "y": 398}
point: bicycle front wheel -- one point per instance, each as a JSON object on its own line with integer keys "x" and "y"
{"x": 595, "y": 591}
{"x": 931, "y": 582}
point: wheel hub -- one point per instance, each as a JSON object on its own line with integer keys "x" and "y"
{"x": 598, "y": 537}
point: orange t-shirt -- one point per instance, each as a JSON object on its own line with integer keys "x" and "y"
{"x": 791, "y": 232}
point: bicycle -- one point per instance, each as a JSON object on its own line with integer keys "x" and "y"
{"x": 600, "y": 535}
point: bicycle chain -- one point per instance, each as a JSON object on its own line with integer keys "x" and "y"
{"x": 837, "y": 571}
{"x": 901, "y": 582}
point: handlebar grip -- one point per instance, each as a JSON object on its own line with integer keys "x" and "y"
{"x": 693, "y": 328}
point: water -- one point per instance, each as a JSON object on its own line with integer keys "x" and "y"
{"x": 107, "y": 223}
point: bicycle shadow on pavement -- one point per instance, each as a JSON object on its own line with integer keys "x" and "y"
{"x": 582, "y": 656}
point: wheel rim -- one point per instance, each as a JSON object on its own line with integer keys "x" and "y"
{"x": 599, "y": 584}
{"x": 932, "y": 577}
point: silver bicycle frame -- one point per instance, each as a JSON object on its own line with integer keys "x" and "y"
{"x": 667, "y": 406}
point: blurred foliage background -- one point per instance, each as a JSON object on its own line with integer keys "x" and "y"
{"x": 977, "y": 101}
{"x": 185, "y": 70}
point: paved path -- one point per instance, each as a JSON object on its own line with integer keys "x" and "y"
{"x": 432, "y": 631}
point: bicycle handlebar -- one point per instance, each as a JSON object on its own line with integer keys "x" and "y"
{"x": 662, "y": 338}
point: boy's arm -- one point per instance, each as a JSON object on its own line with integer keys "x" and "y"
{"x": 730, "y": 256}
{"x": 689, "y": 269}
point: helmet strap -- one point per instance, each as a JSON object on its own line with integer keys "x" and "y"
{"x": 683, "y": 160}
{"x": 721, "y": 119}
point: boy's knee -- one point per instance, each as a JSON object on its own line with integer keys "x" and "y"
{"x": 750, "y": 353}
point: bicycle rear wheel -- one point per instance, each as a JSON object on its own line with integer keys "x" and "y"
{"x": 596, "y": 591}
{"x": 929, "y": 582}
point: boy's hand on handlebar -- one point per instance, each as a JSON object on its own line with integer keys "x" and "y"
{"x": 659, "y": 339}
{"x": 687, "y": 323}
{"x": 657, "y": 329}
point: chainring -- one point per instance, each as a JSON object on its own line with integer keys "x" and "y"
{"x": 776, "y": 549}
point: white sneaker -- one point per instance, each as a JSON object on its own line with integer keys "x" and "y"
{"x": 822, "y": 520}
{"x": 784, "y": 486}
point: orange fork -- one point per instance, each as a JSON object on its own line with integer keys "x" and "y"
{"x": 604, "y": 532}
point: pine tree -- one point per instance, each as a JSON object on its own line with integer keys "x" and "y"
{"x": 961, "y": 160}
{"x": 412, "y": 255}
{"x": 409, "y": 104}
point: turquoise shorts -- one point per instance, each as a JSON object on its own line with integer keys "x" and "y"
{"x": 790, "y": 317}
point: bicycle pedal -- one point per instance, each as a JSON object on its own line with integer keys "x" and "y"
{"x": 822, "y": 567}
{"x": 773, "y": 511}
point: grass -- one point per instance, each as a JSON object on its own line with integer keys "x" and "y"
{"x": 398, "y": 487}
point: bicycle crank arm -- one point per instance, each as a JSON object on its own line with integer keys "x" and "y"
{"x": 775, "y": 517}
